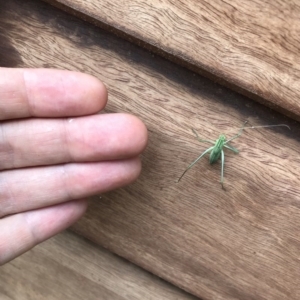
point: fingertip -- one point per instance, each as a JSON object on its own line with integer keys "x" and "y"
{"x": 136, "y": 169}
{"x": 58, "y": 93}
{"x": 48, "y": 221}
{"x": 97, "y": 90}
{"x": 77, "y": 209}
{"x": 140, "y": 135}
{"x": 20, "y": 232}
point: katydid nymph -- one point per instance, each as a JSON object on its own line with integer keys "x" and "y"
{"x": 217, "y": 152}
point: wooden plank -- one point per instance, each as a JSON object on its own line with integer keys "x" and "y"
{"x": 252, "y": 47}
{"x": 70, "y": 267}
{"x": 241, "y": 243}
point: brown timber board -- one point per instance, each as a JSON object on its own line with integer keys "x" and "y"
{"x": 250, "y": 46}
{"x": 241, "y": 243}
{"x": 71, "y": 268}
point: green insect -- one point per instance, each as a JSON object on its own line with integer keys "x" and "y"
{"x": 216, "y": 151}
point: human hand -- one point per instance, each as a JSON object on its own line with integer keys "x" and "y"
{"x": 54, "y": 152}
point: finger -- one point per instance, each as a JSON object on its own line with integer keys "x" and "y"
{"x": 20, "y": 232}
{"x": 28, "y": 189}
{"x": 49, "y": 93}
{"x": 35, "y": 142}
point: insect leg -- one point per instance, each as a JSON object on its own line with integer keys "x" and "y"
{"x": 200, "y": 140}
{"x": 231, "y": 148}
{"x": 222, "y": 168}
{"x": 237, "y": 135}
{"x": 195, "y": 161}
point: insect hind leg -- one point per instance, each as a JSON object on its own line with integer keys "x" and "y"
{"x": 194, "y": 162}
{"x": 222, "y": 168}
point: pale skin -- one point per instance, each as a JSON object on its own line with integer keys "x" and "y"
{"x": 56, "y": 151}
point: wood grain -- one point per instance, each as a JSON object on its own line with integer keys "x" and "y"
{"x": 70, "y": 267}
{"x": 242, "y": 243}
{"x": 251, "y": 46}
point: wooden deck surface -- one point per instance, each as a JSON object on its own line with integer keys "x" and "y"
{"x": 251, "y": 46}
{"x": 238, "y": 243}
{"x": 71, "y": 268}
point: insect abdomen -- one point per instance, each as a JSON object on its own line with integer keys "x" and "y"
{"x": 216, "y": 151}
{"x": 214, "y": 156}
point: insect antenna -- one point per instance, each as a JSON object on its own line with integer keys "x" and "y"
{"x": 266, "y": 126}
